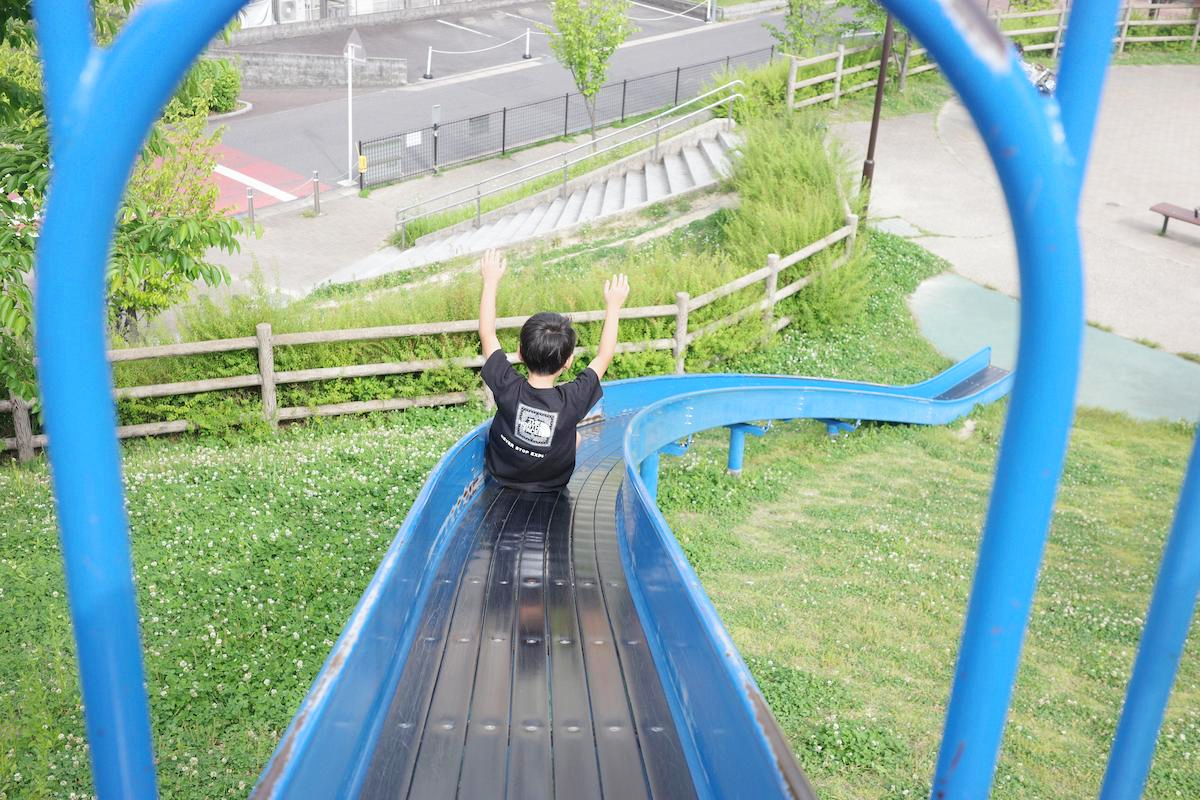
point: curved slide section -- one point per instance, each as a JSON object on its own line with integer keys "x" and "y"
{"x": 559, "y": 644}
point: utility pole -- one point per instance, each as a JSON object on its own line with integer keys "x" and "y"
{"x": 868, "y": 173}
{"x": 354, "y": 54}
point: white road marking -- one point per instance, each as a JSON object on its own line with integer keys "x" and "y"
{"x": 669, "y": 14}
{"x": 253, "y": 183}
{"x": 465, "y": 28}
{"x": 671, "y": 35}
{"x": 462, "y": 77}
{"x": 518, "y": 16}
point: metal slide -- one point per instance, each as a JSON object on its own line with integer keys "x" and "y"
{"x": 558, "y": 644}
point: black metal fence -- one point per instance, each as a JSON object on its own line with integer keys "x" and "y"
{"x": 416, "y": 152}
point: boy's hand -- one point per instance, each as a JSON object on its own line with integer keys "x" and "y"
{"x": 493, "y": 267}
{"x": 616, "y": 290}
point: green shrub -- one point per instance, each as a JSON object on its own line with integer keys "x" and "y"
{"x": 788, "y": 184}
{"x": 211, "y": 87}
{"x": 226, "y": 85}
{"x": 764, "y": 90}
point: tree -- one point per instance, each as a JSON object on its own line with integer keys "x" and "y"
{"x": 865, "y": 15}
{"x": 806, "y": 24}
{"x": 869, "y": 16}
{"x": 165, "y": 227}
{"x": 583, "y": 39}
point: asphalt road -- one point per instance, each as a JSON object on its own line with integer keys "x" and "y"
{"x": 462, "y": 35}
{"x": 304, "y": 130}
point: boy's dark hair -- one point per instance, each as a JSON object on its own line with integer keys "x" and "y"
{"x": 547, "y": 341}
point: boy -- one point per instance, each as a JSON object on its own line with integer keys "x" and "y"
{"x": 532, "y": 441}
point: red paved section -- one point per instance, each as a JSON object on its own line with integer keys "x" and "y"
{"x": 273, "y": 185}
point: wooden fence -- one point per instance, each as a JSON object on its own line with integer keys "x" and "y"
{"x": 1133, "y": 17}
{"x": 267, "y": 378}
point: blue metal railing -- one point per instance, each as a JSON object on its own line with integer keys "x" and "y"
{"x": 1039, "y": 146}
{"x": 1040, "y": 167}
{"x": 1163, "y": 638}
{"x": 101, "y": 103}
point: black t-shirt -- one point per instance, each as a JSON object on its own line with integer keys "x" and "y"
{"x": 531, "y": 444}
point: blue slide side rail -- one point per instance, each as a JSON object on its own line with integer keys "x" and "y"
{"x": 718, "y": 708}
{"x": 327, "y": 747}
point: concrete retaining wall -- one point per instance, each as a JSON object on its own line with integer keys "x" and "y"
{"x": 300, "y": 69}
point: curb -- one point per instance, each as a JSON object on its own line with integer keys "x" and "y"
{"x": 246, "y": 108}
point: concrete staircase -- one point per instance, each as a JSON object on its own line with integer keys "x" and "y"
{"x": 694, "y": 166}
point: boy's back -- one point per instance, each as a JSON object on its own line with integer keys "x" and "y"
{"x": 531, "y": 444}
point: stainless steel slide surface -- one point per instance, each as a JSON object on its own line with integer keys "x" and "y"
{"x": 530, "y": 676}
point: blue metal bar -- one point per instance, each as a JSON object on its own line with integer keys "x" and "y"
{"x": 1039, "y": 175}
{"x": 64, "y": 54}
{"x": 835, "y": 426}
{"x": 676, "y": 448}
{"x": 1081, "y": 74}
{"x": 737, "y": 450}
{"x": 737, "y": 444}
{"x": 93, "y": 149}
{"x": 1163, "y": 638}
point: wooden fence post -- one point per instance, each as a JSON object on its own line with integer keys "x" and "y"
{"x": 1196, "y": 32}
{"x": 681, "y": 329}
{"x": 904, "y": 61}
{"x": 1125, "y": 27}
{"x": 772, "y": 286}
{"x": 489, "y": 399}
{"x": 852, "y": 221}
{"x": 266, "y": 372}
{"x": 837, "y": 74}
{"x": 23, "y": 428}
{"x": 791, "y": 86}
{"x": 1062, "y": 21}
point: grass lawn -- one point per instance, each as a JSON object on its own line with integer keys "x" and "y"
{"x": 841, "y": 568}
{"x": 249, "y": 558}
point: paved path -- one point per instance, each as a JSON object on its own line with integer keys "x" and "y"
{"x": 1138, "y": 283}
{"x": 959, "y": 317}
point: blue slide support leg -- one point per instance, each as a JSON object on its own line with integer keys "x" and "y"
{"x": 737, "y": 444}
{"x": 737, "y": 450}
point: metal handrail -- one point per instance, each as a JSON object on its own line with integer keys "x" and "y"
{"x": 402, "y": 219}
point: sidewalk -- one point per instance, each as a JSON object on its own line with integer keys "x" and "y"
{"x": 1139, "y": 284}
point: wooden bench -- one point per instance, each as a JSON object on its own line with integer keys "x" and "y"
{"x": 1170, "y": 212}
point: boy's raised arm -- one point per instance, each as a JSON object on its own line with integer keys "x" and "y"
{"x": 492, "y": 269}
{"x": 615, "y": 291}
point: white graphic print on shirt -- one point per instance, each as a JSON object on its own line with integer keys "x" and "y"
{"x": 535, "y": 425}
